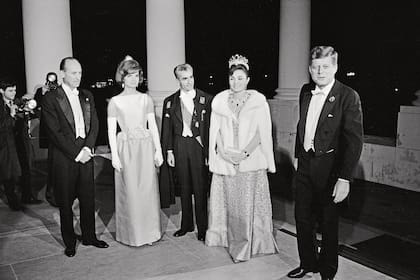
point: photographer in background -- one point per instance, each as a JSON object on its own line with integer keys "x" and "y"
{"x": 51, "y": 83}
{"x": 9, "y": 163}
{"x": 24, "y": 115}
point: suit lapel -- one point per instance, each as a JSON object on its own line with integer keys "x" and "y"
{"x": 65, "y": 107}
{"x": 329, "y": 103}
{"x": 85, "y": 104}
{"x": 306, "y": 99}
{"x": 177, "y": 105}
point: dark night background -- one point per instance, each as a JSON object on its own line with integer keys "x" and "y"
{"x": 375, "y": 39}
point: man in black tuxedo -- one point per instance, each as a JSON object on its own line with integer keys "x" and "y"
{"x": 185, "y": 134}
{"x": 329, "y": 142}
{"x": 72, "y": 126}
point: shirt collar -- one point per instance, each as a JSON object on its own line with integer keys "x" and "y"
{"x": 7, "y": 101}
{"x": 68, "y": 90}
{"x": 188, "y": 94}
{"x": 325, "y": 91}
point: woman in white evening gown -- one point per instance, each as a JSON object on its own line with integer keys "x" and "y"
{"x": 136, "y": 153}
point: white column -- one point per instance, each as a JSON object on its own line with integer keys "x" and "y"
{"x": 165, "y": 32}
{"x": 294, "y": 46}
{"x": 47, "y": 38}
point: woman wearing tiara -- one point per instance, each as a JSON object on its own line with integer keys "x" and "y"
{"x": 136, "y": 153}
{"x": 240, "y": 154}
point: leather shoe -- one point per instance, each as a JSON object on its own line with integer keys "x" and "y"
{"x": 299, "y": 272}
{"x": 327, "y": 278}
{"x": 201, "y": 236}
{"x": 70, "y": 252}
{"x": 97, "y": 243}
{"x": 182, "y": 232}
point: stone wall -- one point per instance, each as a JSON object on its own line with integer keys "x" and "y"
{"x": 394, "y": 163}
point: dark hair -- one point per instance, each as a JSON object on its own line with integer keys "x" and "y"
{"x": 127, "y": 66}
{"x": 182, "y": 67}
{"x": 6, "y": 82}
{"x": 64, "y": 60}
{"x": 235, "y": 67}
{"x": 323, "y": 51}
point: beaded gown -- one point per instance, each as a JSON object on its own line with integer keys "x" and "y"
{"x": 240, "y": 213}
{"x": 137, "y": 202}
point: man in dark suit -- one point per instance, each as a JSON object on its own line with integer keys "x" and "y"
{"x": 24, "y": 147}
{"x": 72, "y": 126}
{"x": 329, "y": 142}
{"x": 10, "y": 168}
{"x": 185, "y": 133}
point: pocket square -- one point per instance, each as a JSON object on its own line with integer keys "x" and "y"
{"x": 330, "y": 116}
{"x": 329, "y": 151}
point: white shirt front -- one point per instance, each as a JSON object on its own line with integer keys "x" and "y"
{"x": 187, "y": 98}
{"x": 73, "y": 96}
{"x": 314, "y": 111}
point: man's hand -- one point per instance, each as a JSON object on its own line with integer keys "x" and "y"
{"x": 171, "y": 159}
{"x": 341, "y": 190}
{"x": 116, "y": 163}
{"x": 84, "y": 156}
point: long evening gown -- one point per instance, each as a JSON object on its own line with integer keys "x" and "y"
{"x": 240, "y": 213}
{"x": 137, "y": 203}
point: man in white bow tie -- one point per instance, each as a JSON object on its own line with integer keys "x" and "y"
{"x": 71, "y": 126}
{"x": 329, "y": 142}
{"x": 185, "y": 134}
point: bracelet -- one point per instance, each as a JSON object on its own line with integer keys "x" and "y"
{"x": 246, "y": 153}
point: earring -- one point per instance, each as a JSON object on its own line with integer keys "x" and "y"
{"x": 122, "y": 85}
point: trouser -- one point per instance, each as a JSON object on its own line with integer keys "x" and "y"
{"x": 192, "y": 178}
{"x": 79, "y": 184}
{"x": 311, "y": 208}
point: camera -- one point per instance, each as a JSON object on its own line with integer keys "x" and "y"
{"x": 51, "y": 82}
{"x": 26, "y": 104}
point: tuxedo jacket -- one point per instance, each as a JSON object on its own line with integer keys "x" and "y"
{"x": 60, "y": 129}
{"x": 60, "y": 125}
{"x": 9, "y": 162}
{"x": 172, "y": 126}
{"x": 338, "y": 138}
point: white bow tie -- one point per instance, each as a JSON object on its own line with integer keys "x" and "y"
{"x": 315, "y": 92}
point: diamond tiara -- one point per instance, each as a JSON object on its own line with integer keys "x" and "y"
{"x": 238, "y": 59}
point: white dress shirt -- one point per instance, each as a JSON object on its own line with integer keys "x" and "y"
{"x": 187, "y": 98}
{"x": 314, "y": 111}
{"x": 73, "y": 96}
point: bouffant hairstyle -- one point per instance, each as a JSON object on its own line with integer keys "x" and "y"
{"x": 127, "y": 66}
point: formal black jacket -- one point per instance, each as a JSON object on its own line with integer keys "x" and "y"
{"x": 338, "y": 138}
{"x": 171, "y": 126}
{"x": 9, "y": 162}
{"x": 60, "y": 128}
